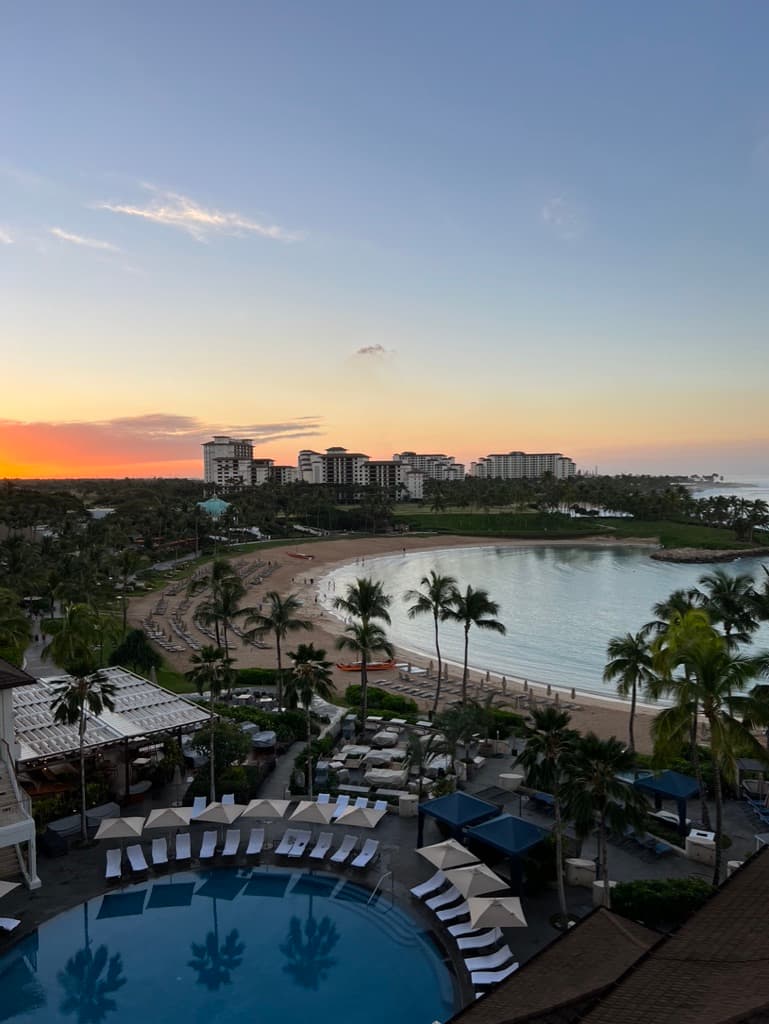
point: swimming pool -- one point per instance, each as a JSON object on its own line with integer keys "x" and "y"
{"x": 229, "y": 946}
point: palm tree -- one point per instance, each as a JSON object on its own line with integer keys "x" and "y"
{"x": 714, "y": 674}
{"x": 85, "y": 692}
{"x": 365, "y": 600}
{"x": 280, "y": 619}
{"x": 364, "y": 639}
{"x": 223, "y": 606}
{"x": 630, "y": 663}
{"x": 89, "y": 979}
{"x": 591, "y": 789}
{"x": 308, "y": 955}
{"x": 434, "y": 599}
{"x": 311, "y": 677}
{"x": 550, "y": 744}
{"x": 473, "y": 608}
{"x": 730, "y": 601}
{"x": 127, "y": 564}
{"x": 211, "y": 672}
{"x": 213, "y": 963}
{"x": 421, "y": 750}
{"x": 14, "y": 626}
{"x": 76, "y": 636}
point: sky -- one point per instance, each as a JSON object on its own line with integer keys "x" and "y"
{"x": 432, "y": 226}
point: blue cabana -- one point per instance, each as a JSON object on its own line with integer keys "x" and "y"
{"x": 511, "y": 836}
{"x": 670, "y": 785}
{"x": 455, "y": 811}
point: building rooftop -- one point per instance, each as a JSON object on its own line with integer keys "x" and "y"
{"x": 10, "y": 676}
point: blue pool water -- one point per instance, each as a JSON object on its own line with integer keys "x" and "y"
{"x": 231, "y": 946}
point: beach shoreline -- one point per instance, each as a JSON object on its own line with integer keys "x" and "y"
{"x": 304, "y": 577}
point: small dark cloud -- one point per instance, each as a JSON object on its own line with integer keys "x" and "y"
{"x": 378, "y": 351}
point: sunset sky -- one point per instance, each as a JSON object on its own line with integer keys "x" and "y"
{"x": 427, "y": 225}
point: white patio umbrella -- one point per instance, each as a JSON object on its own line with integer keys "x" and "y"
{"x": 448, "y": 854}
{"x": 312, "y": 813}
{"x": 496, "y": 912}
{"x": 360, "y": 817}
{"x": 6, "y": 887}
{"x": 265, "y": 810}
{"x": 120, "y": 828}
{"x": 168, "y": 817}
{"x": 221, "y": 814}
{"x": 475, "y": 880}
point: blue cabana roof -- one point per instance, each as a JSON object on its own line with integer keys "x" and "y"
{"x": 669, "y": 785}
{"x": 507, "y": 833}
{"x": 458, "y": 809}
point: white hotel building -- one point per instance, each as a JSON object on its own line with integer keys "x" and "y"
{"x": 434, "y": 467}
{"x": 520, "y": 466}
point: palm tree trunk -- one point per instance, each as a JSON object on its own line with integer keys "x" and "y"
{"x": 211, "y": 753}
{"x": 603, "y": 853}
{"x": 559, "y": 860}
{"x": 464, "y": 667}
{"x": 125, "y": 607}
{"x": 696, "y": 765}
{"x": 630, "y": 731}
{"x": 440, "y": 668}
{"x": 309, "y": 754}
{"x": 280, "y": 672}
{"x": 719, "y": 818}
{"x": 83, "y": 824}
{"x": 363, "y": 688}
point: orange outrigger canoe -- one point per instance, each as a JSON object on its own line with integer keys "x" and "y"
{"x": 372, "y": 666}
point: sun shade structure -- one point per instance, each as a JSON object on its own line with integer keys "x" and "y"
{"x": 670, "y": 785}
{"x": 455, "y": 811}
{"x": 511, "y": 836}
{"x": 120, "y": 828}
{"x": 448, "y": 854}
{"x": 475, "y": 880}
{"x": 221, "y": 814}
{"x": 169, "y": 817}
{"x": 312, "y": 813}
{"x": 266, "y": 809}
{"x": 496, "y": 912}
{"x": 360, "y": 817}
{"x": 142, "y": 709}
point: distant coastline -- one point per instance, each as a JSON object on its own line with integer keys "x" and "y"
{"x": 704, "y": 555}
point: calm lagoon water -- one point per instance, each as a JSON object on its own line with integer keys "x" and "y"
{"x": 228, "y": 946}
{"x": 560, "y": 605}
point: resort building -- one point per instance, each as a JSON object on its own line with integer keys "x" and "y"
{"x": 227, "y": 462}
{"x": 18, "y": 849}
{"x": 520, "y": 466}
{"x": 399, "y": 478}
{"x": 434, "y": 467}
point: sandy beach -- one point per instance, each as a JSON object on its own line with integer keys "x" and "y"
{"x": 289, "y": 574}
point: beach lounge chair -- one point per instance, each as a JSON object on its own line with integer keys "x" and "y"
{"x": 465, "y": 928}
{"x": 231, "y": 842}
{"x": 480, "y": 978}
{"x": 199, "y": 804}
{"x": 451, "y": 895}
{"x": 367, "y": 854}
{"x": 362, "y": 802}
{"x": 324, "y": 798}
{"x": 342, "y": 802}
{"x": 182, "y": 847}
{"x": 136, "y": 859}
{"x": 208, "y": 846}
{"x": 114, "y": 860}
{"x": 348, "y": 845}
{"x": 159, "y": 851}
{"x": 228, "y": 798}
{"x": 288, "y": 840}
{"x": 300, "y": 844}
{"x": 381, "y": 805}
{"x": 432, "y": 885}
{"x": 7, "y": 924}
{"x": 321, "y": 849}
{"x": 255, "y": 842}
{"x": 452, "y": 913}
{"x": 480, "y": 941}
{"x": 489, "y": 963}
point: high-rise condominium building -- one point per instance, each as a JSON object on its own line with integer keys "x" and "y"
{"x": 519, "y": 465}
{"x": 227, "y": 462}
{"x": 434, "y": 467}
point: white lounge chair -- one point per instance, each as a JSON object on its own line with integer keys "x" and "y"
{"x": 381, "y": 805}
{"x": 228, "y": 798}
{"x": 255, "y": 842}
{"x": 7, "y": 924}
{"x": 321, "y": 849}
{"x": 231, "y": 842}
{"x": 159, "y": 851}
{"x": 208, "y": 845}
{"x": 182, "y": 847}
{"x": 199, "y": 804}
{"x": 452, "y": 913}
{"x": 491, "y": 962}
{"x": 342, "y": 801}
{"x": 432, "y": 885}
{"x": 480, "y": 978}
{"x": 300, "y": 844}
{"x": 451, "y": 895}
{"x": 324, "y": 798}
{"x": 367, "y": 854}
{"x": 348, "y": 845}
{"x": 480, "y": 941}
{"x": 136, "y": 858}
{"x": 361, "y": 802}
{"x": 288, "y": 840}
{"x": 114, "y": 860}
{"x": 465, "y": 928}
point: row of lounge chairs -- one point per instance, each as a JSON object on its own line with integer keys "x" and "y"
{"x": 759, "y": 809}
{"x": 295, "y": 842}
{"x": 449, "y": 906}
{"x": 342, "y": 802}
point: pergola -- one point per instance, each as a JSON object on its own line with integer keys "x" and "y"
{"x": 511, "y": 836}
{"x": 455, "y": 811}
{"x": 670, "y": 785}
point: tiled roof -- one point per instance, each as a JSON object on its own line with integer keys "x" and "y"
{"x": 12, "y": 676}
{"x": 572, "y": 970}
{"x": 141, "y": 709}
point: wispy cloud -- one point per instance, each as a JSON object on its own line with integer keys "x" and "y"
{"x": 178, "y": 211}
{"x": 373, "y": 351}
{"x": 563, "y": 217}
{"x": 89, "y": 243}
{"x": 5, "y": 238}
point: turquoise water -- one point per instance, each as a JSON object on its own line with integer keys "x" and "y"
{"x": 560, "y": 605}
{"x": 228, "y": 946}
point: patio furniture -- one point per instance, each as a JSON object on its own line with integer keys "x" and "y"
{"x": 484, "y": 978}
{"x": 452, "y": 913}
{"x": 487, "y": 938}
{"x": 114, "y": 860}
{"x": 300, "y": 844}
{"x": 159, "y": 851}
{"x": 255, "y": 842}
{"x": 208, "y": 845}
{"x": 432, "y": 884}
{"x": 199, "y": 804}
{"x": 182, "y": 847}
{"x": 321, "y": 849}
{"x": 136, "y": 859}
{"x": 368, "y": 853}
{"x": 342, "y": 854}
{"x": 489, "y": 963}
{"x": 7, "y": 924}
{"x": 451, "y": 895}
{"x": 228, "y": 798}
{"x": 231, "y": 842}
{"x": 342, "y": 801}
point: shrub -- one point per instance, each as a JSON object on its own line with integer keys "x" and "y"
{"x": 665, "y": 902}
{"x": 288, "y": 726}
{"x": 378, "y": 698}
{"x": 231, "y": 744}
{"x": 256, "y": 677}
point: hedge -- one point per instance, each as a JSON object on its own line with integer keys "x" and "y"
{"x": 665, "y": 902}
{"x": 380, "y": 699}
